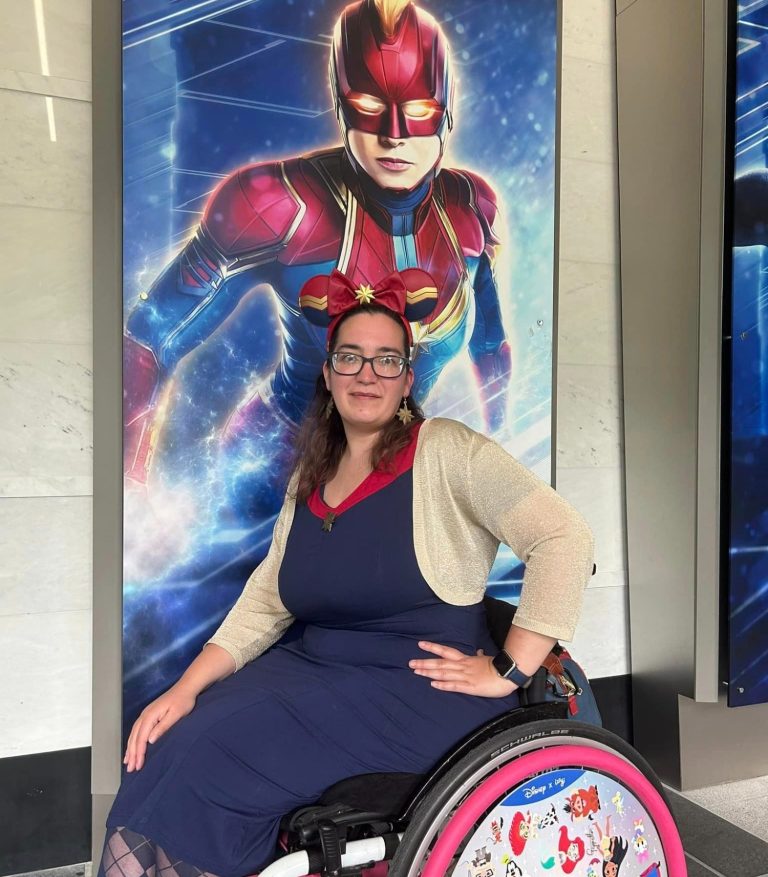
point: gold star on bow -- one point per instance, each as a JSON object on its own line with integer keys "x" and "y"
{"x": 364, "y": 294}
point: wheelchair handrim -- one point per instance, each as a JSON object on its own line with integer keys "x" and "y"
{"x": 539, "y": 763}
{"x": 511, "y": 752}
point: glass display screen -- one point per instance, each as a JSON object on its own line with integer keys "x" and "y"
{"x": 747, "y": 312}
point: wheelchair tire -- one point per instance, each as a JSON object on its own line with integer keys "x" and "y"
{"x": 538, "y": 745}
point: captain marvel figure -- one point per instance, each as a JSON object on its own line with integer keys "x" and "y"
{"x": 379, "y": 203}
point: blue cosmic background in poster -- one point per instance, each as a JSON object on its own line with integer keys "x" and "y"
{"x": 748, "y": 543}
{"x": 211, "y": 86}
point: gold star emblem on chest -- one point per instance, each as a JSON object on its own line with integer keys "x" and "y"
{"x": 364, "y": 294}
{"x": 421, "y": 338}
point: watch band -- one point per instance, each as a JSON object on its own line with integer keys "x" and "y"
{"x": 506, "y": 666}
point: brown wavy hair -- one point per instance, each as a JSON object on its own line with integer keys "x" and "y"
{"x": 321, "y": 440}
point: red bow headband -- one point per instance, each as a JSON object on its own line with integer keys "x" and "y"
{"x": 411, "y": 294}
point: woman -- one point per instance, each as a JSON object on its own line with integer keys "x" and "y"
{"x": 382, "y": 550}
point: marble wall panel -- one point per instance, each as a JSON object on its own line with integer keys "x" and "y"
{"x": 36, "y": 171}
{"x": 68, "y": 29}
{"x": 45, "y": 379}
{"x": 46, "y": 700}
{"x": 36, "y": 83}
{"x": 589, "y": 432}
{"x": 46, "y": 429}
{"x": 589, "y": 422}
{"x": 599, "y": 495}
{"x": 18, "y": 37}
{"x": 68, "y": 36}
{"x": 588, "y": 322}
{"x": 589, "y": 30}
{"x": 46, "y": 554}
{"x": 588, "y": 211}
{"x": 601, "y": 644}
{"x": 588, "y": 117}
{"x": 606, "y": 578}
{"x": 46, "y": 289}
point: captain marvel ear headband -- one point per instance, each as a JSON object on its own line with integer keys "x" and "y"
{"x": 411, "y": 294}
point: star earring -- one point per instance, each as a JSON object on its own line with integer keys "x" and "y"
{"x": 404, "y": 413}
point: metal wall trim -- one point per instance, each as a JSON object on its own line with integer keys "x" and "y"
{"x": 107, "y": 412}
{"x": 660, "y": 93}
{"x": 713, "y": 165}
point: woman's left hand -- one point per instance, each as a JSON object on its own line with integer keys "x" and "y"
{"x": 455, "y": 671}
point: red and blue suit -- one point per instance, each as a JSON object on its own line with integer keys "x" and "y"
{"x": 282, "y": 222}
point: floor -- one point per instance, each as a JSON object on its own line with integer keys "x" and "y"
{"x": 724, "y": 830}
{"x": 744, "y": 804}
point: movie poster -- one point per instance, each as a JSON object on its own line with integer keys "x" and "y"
{"x": 245, "y": 174}
{"x": 747, "y": 528}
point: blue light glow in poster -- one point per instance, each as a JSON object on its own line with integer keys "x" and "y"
{"x": 239, "y": 184}
{"x": 748, "y": 536}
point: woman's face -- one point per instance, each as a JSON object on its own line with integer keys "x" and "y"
{"x": 365, "y": 400}
{"x": 394, "y": 163}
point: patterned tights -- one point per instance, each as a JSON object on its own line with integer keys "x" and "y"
{"x": 128, "y": 854}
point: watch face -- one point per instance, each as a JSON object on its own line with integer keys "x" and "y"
{"x": 503, "y": 664}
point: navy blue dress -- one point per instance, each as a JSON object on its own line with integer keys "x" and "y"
{"x": 337, "y": 701}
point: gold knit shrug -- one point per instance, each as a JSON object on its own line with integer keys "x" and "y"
{"x": 469, "y": 495}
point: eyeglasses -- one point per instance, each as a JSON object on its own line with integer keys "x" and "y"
{"x": 385, "y": 366}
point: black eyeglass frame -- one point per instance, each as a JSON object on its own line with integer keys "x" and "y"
{"x": 406, "y": 363}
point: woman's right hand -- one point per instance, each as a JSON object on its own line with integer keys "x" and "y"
{"x": 154, "y": 721}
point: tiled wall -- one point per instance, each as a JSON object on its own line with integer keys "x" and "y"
{"x": 589, "y": 441}
{"x": 45, "y": 378}
{"x": 45, "y": 360}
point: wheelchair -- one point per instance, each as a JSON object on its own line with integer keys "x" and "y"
{"x": 531, "y": 793}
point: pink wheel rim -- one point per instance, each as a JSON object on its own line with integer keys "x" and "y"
{"x": 520, "y": 770}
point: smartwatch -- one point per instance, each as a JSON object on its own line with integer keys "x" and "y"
{"x": 504, "y": 664}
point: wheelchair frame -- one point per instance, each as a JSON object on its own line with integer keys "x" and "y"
{"x": 425, "y": 834}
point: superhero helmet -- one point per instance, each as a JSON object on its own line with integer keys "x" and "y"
{"x": 391, "y": 72}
